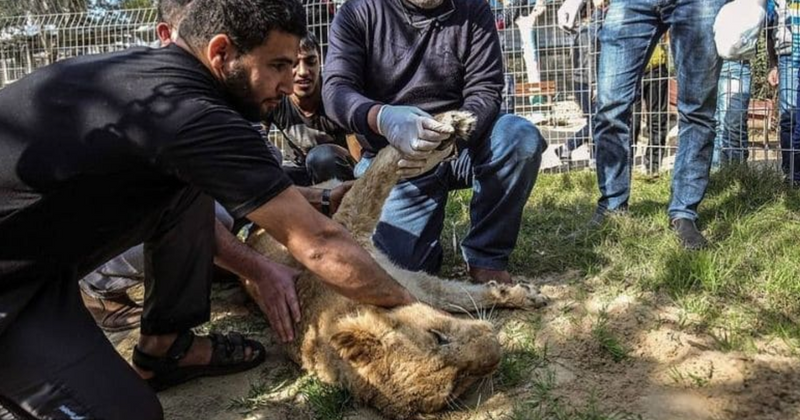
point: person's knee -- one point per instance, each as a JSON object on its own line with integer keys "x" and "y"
{"x": 406, "y": 250}
{"x": 328, "y": 161}
{"x": 517, "y": 137}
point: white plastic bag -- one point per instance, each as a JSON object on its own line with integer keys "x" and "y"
{"x": 736, "y": 28}
{"x": 567, "y": 14}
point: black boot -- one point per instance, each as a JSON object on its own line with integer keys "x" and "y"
{"x": 687, "y": 232}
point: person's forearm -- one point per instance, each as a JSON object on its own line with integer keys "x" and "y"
{"x": 327, "y": 249}
{"x": 372, "y": 118}
{"x": 312, "y": 195}
{"x": 239, "y": 258}
{"x": 349, "y": 269}
{"x": 772, "y": 56}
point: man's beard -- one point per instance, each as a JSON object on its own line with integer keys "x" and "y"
{"x": 240, "y": 94}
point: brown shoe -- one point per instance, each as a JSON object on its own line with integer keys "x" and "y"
{"x": 485, "y": 275}
{"x": 112, "y": 314}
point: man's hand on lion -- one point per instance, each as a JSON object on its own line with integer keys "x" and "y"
{"x": 278, "y": 298}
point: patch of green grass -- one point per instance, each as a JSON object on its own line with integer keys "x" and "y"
{"x": 607, "y": 340}
{"x": 260, "y": 393}
{"x": 326, "y": 401}
{"x": 746, "y": 283}
{"x": 544, "y": 405}
{"x": 699, "y": 379}
{"x": 522, "y": 355}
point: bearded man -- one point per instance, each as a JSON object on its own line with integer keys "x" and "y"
{"x": 102, "y": 152}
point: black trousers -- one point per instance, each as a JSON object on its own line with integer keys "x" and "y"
{"x": 323, "y": 163}
{"x": 54, "y": 360}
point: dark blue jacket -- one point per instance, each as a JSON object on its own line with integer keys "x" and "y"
{"x": 390, "y": 52}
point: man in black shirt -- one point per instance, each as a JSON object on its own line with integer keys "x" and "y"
{"x": 318, "y": 144}
{"x": 104, "y": 290}
{"x": 135, "y": 146}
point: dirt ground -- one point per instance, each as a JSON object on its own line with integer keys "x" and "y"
{"x": 669, "y": 372}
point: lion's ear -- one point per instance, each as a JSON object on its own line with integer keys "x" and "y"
{"x": 357, "y": 346}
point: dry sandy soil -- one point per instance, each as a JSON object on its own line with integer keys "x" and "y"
{"x": 671, "y": 371}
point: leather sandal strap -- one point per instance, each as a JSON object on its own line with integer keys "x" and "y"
{"x": 228, "y": 349}
{"x": 175, "y": 353}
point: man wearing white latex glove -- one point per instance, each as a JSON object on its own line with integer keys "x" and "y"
{"x": 391, "y": 64}
{"x": 412, "y": 131}
{"x": 568, "y": 13}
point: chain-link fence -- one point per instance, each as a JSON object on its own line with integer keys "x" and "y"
{"x": 550, "y": 77}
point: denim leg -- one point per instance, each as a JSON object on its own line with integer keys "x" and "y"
{"x": 789, "y": 131}
{"x": 697, "y": 66}
{"x": 501, "y": 170}
{"x": 628, "y": 36}
{"x": 412, "y": 219}
{"x": 733, "y": 100}
{"x": 505, "y": 167}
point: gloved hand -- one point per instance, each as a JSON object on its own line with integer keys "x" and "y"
{"x": 411, "y": 130}
{"x": 568, "y": 14}
{"x": 408, "y": 167}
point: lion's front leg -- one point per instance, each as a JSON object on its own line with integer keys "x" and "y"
{"x": 458, "y": 296}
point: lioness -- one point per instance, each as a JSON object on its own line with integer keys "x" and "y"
{"x": 408, "y": 360}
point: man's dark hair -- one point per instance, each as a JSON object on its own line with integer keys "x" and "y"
{"x": 246, "y": 22}
{"x": 310, "y": 43}
{"x": 171, "y": 12}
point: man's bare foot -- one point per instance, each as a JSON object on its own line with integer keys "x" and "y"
{"x": 485, "y": 275}
{"x": 199, "y": 353}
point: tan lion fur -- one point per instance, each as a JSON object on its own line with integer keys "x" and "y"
{"x": 403, "y": 361}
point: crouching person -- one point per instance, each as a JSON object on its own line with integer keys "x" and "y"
{"x": 392, "y": 64}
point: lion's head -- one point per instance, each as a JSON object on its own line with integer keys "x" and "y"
{"x": 413, "y": 359}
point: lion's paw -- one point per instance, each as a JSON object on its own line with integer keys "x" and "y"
{"x": 518, "y": 296}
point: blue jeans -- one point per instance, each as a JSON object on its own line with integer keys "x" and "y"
{"x": 788, "y": 72}
{"x": 501, "y": 170}
{"x": 733, "y": 99}
{"x": 630, "y": 32}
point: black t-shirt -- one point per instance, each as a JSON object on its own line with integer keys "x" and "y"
{"x": 302, "y": 132}
{"x": 142, "y": 116}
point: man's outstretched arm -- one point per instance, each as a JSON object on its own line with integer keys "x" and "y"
{"x": 328, "y": 250}
{"x": 275, "y": 281}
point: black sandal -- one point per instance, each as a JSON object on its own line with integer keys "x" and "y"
{"x": 227, "y": 356}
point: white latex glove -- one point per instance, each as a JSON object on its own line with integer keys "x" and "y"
{"x": 568, "y": 14}
{"x": 408, "y": 167}
{"x": 736, "y": 28}
{"x": 411, "y": 130}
